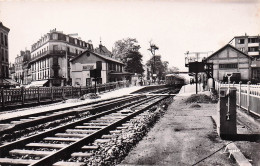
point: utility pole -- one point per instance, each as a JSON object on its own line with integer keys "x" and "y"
{"x": 152, "y": 48}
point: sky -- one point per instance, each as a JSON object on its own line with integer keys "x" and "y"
{"x": 175, "y": 26}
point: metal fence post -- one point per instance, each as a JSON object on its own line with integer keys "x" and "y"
{"x": 51, "y": 93}
{"x": 71, "y": 91}
{"x": 2, "y": 96}
{"x": 240, "y": 94}
{"x": 79, "y": 91}
{"x": 22, "y": 95}
{"x": 38, "y": 91}
{"x": 62, "y": 93}
{"x": 248, "y": 97}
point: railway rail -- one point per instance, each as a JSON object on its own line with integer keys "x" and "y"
{"x": 77, "y": 138}
{"x": 33, "y": 120}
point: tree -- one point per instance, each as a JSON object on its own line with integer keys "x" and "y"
{"x": 134, "y": 64}
{"x": 127, "y": 50}
{"x": 158, "y": 66}
{"x": 172, "y": 69}
{"x": 123, "y": 47}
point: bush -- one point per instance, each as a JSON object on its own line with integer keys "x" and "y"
{"x": 199, "y": 98}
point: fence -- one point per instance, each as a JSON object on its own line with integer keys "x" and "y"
{"x": 22, "y": 96}
{"x": 247, "y": 96}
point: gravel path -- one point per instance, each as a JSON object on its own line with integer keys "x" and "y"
{"x": 183, "y": 136}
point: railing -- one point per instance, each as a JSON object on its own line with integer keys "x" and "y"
{"x": 22, "y": 96}
{"x": 247, "y": 96}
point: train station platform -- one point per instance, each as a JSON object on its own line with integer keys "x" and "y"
{"x": 70, "y": 102}
{"x": 186, "y": 135}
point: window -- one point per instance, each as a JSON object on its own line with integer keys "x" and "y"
{"x": 55, "y": 36}
{"x": 2, "y": 38}
{"x": 3, "y": 55}
{"x": 241, "y": 41}
{"x": 252, "y": 49}
{"x": 228, "y": 66}
{"x": 67, "y": 38}
{"x": 76, "y": 41}
{"x": 252, "y": 40}
{"x": 6, "y": 56}
{"x": 6, "y": 43}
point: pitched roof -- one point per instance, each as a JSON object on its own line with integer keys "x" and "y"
{"x": 103, "y": 50}
{"x": 101, "y": 56}
{"x": 227, "y": 45}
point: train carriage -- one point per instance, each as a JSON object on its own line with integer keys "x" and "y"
{"x": 174, "y": 80}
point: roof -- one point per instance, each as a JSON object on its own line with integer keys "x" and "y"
{"x": 103, "y": 50}
{"x": 227, "y": 45}
{"x": 4, "y": 27}
{"x": 101, "y": 56}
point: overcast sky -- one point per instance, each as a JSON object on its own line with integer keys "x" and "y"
{"x": 174, "y": 26}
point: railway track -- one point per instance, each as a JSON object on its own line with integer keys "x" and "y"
{"x": 63, "y": 116}
{"x": 74, "y": 139}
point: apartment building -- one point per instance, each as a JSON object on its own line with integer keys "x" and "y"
{"x": 251, "y": 46}
{"x": 22, "y": 73}
{"x": 4, "y": 57}
{"x": 50, "y": 57}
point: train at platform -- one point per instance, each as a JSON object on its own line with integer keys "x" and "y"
{"x": 174, "y": 80}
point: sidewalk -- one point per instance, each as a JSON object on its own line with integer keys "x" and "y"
{"x": 69, "y": 103}
{"x": 186, "y": 135}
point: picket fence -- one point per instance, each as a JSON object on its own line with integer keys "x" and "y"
{"x": 247, "y": 96}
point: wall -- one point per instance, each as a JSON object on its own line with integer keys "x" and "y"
{"x": 228, "y": 56}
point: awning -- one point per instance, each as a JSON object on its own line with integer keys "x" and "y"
{"x": 8, "y": 82}
{"x": 121, "y": 73}
{"x": 37, "y": 83}
{"x": 12, "y": 82}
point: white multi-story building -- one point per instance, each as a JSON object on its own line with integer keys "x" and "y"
{"x": 251, "y": 46}
{"x": 50, "y": 57}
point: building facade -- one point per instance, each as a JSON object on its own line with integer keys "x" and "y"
{"x": 50, "y": 57}
{"x": 22, "y": 73}
{"x": 230, "y": 60}
{"x": 81, "y": 66}
{"x": 4, "y": 56}
{"x": 251, "y": 46}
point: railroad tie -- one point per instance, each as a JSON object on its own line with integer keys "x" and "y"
{"x": 115, "y": 131}
{"x": 71, "y": 135}
{"x": 108, "y": 136}
{"x": 89, "y": 127}
{"x": 63, "y": 163}
{"x": 61, "y": 139}
{"x": 81, "y": 154}
{"x": 80, "y": 131}
{"x": 46, "y": 145}
{"x": 96, "y": 124}
{"x": 30, "y": 152}
{"x": 17, "y": 161}
{"x": 91, "y": 147}
{"x": 101, "y": 140}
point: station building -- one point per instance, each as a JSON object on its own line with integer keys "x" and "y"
{"x": 50, "y": 57}
{"x": 112, "y": 69}
{"x": 230, "y": 60}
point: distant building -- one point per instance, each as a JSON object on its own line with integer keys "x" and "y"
{"x": 22, "y": 72}
{"x": 50, "y": 57}
{"x": 4, "y": 56}
{"x": 251, "y": 46}
{"x": 112, "y": 69}
{"x": 102, "y": 50}
{"x": 230, "y": 60}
